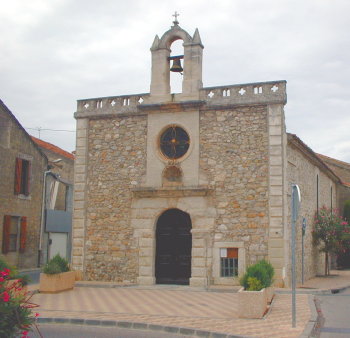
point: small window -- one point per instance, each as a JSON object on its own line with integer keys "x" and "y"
{"x": 229, "y": 262}
{"x": 22, "y": 177}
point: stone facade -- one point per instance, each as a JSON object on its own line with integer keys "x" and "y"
{"x": 318, "y": 187}
{"x": 232, "y": 181}
{"x": 16, "y": 143}
{"x": 111, "y": 250}
{"x": 342, "y": 170}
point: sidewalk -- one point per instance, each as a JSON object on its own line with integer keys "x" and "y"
{"x": 181, "y": 309}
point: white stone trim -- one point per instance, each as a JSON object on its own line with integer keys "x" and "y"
{"x": 144, "y": 216}
{"x": 80, "y": 196}
{"x": 277, "y": 189}
{"x": 217, "y": 279}
{"x": 156, "y": 162}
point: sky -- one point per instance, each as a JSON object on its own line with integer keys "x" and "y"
{"x": 53, "y": 53}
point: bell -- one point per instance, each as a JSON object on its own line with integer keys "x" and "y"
{"x": 176, "y": 67}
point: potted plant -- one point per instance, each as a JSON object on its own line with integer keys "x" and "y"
{"x": 269, "y": 282}
{"x": 252, "y": 298}
{"x": 56, "y": 276}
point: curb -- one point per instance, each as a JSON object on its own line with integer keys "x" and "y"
{"x": 311, "y": 326}
{"x": 137, "y": 326}
{"x": 315, "y": 291}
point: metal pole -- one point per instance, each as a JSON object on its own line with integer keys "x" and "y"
{"x": 302, "y": 259}
{"x": 302, "y": 249}
{"x": 293, "y": 267}
{"x": 295, "y": 205}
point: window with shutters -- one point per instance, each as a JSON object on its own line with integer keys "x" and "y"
{"x": 229, "y": 262}
{"x": 22, "y": 177}
{"x": 14, "y": 234}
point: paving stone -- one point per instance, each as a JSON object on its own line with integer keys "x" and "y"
{"x": 77, "y": 321}
{"x": 172, "y": 310}
{"x": 124, "y": 324}
{"x": 92, "y": 322}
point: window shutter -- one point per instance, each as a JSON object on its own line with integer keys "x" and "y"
{"x": 6, "y": 234}
{"x": 28, "y": 173}
{"x": 232, "y": 253}
{"x": 18, "y": 174}
{"x": 23, "y": 234}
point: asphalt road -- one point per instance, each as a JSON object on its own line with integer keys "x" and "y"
{"x": 336, "y": 312}
{"x": 78, "y": 331}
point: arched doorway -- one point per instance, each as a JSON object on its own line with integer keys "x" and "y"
{"x": 173, "y": 248}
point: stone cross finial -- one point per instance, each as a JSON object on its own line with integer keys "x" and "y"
{"x": 176, "y": 14}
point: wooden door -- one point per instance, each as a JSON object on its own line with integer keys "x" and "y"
{"x": 173, "y": 248}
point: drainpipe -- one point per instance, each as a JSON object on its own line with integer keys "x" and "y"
{"x": 42, "y": 221}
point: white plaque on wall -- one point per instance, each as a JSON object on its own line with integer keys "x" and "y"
{"x": 223, "y": 252}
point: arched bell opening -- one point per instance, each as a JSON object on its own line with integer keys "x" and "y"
{"x": 176, "y": 66}
{"x": 173, "y": 248}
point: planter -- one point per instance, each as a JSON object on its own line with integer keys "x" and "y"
{"x": 57, "y": 282}
{"x": 270, "y": 291}
{"x": 252, "y": 304}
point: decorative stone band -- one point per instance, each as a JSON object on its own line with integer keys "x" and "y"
{"x": 171, "y": 192}
{"x": 241, "y": 94}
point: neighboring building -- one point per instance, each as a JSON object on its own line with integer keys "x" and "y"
{"x": 22, "y": 167}
{"x": 57, "y": 225}
{"x": 342, "y": 169}
{"x": 320, "y": 186}
{"x": 191, "y": 188}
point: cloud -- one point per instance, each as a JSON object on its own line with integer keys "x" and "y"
{"x": 56, "y": 52}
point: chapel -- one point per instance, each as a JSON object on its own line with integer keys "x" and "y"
{"x": 191, "y": 188}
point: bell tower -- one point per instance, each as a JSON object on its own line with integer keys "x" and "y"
{"x": 192, "y": 65}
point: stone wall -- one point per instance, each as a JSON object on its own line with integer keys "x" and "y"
{"x": 18, "y": 143}
{"x": 117, "y": 162}
{"x": 342, "y": 169}
{"x": 303, "y": 170}
{"x": 120, "y": 225}
{"x": 234, "y": 161}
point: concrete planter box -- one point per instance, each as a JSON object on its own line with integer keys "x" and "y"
{"x": 57, "y": 282}
{"x": 252, "y": 304}
{"x": 270, "y": 291}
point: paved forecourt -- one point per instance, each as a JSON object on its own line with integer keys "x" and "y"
{"x": 179, "y": 307}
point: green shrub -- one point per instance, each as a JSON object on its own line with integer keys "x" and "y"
{"x": 56, "y": 265}
{"x": 61, "y": 262}
{"x": 23, "y": 279}
{"x": 346, "y": 211}
{"x": 51, "y": 268}
{"x": 254, "y": 284}
{"x": 261, "y": 271}
{"x": 4, "y": 265}
{"x": 269, "y": 269}
{"x": 16, "y": 310}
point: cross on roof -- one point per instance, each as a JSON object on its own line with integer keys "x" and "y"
{"x": 175, "y": 15}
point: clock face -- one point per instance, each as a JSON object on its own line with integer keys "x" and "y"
{"x": 174, "y": 142}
